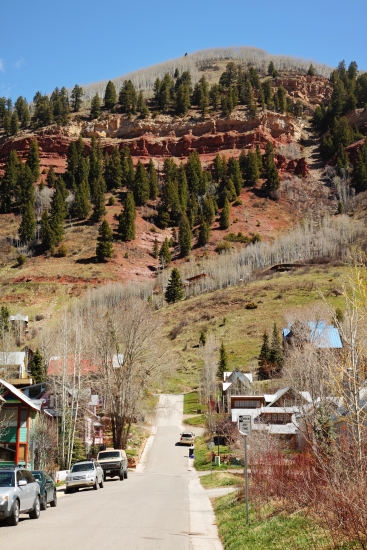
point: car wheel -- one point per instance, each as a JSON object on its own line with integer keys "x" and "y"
{"x": 14, "y": 518}
{"x": 104, "y": 477}
{"x": 122, "y": 477}
{"x": 125, "y": 474}
{"x": 35, "y": 513}
{"x": 68, "y": 491}
{"x": 95, "y": 486}
{"x": 44, "y": 504}
{"x": 53, "y": 502}
{"x": 101, "y": 484}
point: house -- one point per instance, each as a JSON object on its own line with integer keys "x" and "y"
{"x": 277, "y": 414}
{"x": 13, "y": 368}
{"x": 318, "y": 333}
{"x": 19, "y": 323}
{"x": 18, "y": 416}
{"x": 234, "y": 383}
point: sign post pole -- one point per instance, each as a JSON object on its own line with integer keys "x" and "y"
{"x": 245, "y": 428}
{"x": 211, "y": 447}
{"x": 246, "y": 477}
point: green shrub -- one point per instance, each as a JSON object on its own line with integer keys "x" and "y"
{"x": 237, "y": 202}
{"x": 62, "y": 251}
{"x": 111, "y": 201}
{"x": 251, "y": 305}
{"x": 239, "y": 238}
{"x": 21, "y": 259}
{"x": 222, "y": 246}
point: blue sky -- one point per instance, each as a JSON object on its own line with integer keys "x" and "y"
{"x": 44, "y": 44}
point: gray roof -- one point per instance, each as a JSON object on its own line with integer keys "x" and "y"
{"x": 12, "y": 357}
{"x": 18, "y": 317}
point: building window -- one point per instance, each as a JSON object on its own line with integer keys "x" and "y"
{"x": 246, "y": 404}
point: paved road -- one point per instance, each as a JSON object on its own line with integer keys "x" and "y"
{"x": 161, "y": 506}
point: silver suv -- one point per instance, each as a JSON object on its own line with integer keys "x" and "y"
{"x": 87, "y": 473}
{"x": 19, "y": 494}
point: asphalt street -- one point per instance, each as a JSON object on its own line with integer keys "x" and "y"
{"x": 160, "y": 506}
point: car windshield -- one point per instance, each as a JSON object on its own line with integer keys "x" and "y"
{"x": 37, "y": 476}
{"x": 6, "y": 479}
{"x": 82, "y": 467}
{"x": 186, "y": 435}
{"x": 109, "y": 454}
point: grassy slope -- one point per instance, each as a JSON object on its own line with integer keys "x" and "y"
{"x": 242, "y": 330}
{"x": 271, "y": 531}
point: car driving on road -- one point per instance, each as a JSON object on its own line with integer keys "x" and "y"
{"x": 19, "y": 494}
{"x": 47, "y": 488}
{"x": 187, "y": 438}
{"x": 87, "y": 473}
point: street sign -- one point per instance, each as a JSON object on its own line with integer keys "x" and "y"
{"x": 244, "y": 424}
{"x": 211, "y": 445}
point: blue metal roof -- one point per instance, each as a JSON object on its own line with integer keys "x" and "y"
{"x": 321, "y": 335}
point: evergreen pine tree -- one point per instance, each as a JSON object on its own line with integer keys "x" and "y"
{"x": 141, "y": 185}
{"x": 174, "y": 290}
{"x": 51, "y": 178}
{"x": 202, "y": 338}
{"x": 58, "y": 213}
{"x": 224, "y": 216}
{"x": 234, "y": 172}
{"x": 7, "y": 124}
{"x": 155, "y": 249}
{"x": 183, "y": 190}
{"x": 223, "y": 362}
{"x": 33, "y": 160}
{"x": 126, "y": 228}
{"x": 204, "y": 233}
{"x": 9, "y": 182}
{"x": 264, "y": 357}
{"x": 128, "y": 97}
{"x": 82, "y": 205}
{"x": 276, "y": 352}
{"x": 99, "y": 207}
{"x": 104, "y": 247}
{"x": 183, "y": 99}
{"x": 184, "y": 235}
{"x": 165, "y": 253}
{"x": 208, "y": 210}
{"x": 95, "y": 109}
{"x": 311, "y": 70}
{"x": 252, "y": 169}
{"x": 14, "y": 124}
{"x": 25, "y": 188}
{"x": 48, "y": 239}
{"x": 113, "y": 170}
{"x": 27, "y": 227}
{"x": 37, "y": 368}
{"x": 76, "y": 96}
{"x": 153, "y": 181}
{"x": 110, "y": 97}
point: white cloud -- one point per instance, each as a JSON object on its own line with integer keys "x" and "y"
{"x": 2, "y": 66}
{"x": 18, "y": 64}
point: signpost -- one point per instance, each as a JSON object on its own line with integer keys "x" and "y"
{"x": 211, "y": 447}
{"x": 245, "y": 429}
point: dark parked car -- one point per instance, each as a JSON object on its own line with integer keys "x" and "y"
{"x": 47, "y": 487}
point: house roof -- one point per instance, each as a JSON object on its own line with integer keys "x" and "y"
{"x": 12, "y": 357}
{"x": 117, "y": 360}
{"x": 18, "y": 317}
{"x": 278, "y": 395}
{"x": 20, "y": 395}
{"x": 321, "y": 335}
{"x": 226, "y": 385}
{"x": 56, "y": 365}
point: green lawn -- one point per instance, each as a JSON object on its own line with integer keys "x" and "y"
{"x": 221, "y": 479}
{"x": 273, "y": 531}
{"x": 192, "y": 403}
{"x": 198, "y": 420}
{"x": 202, "y": 456}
